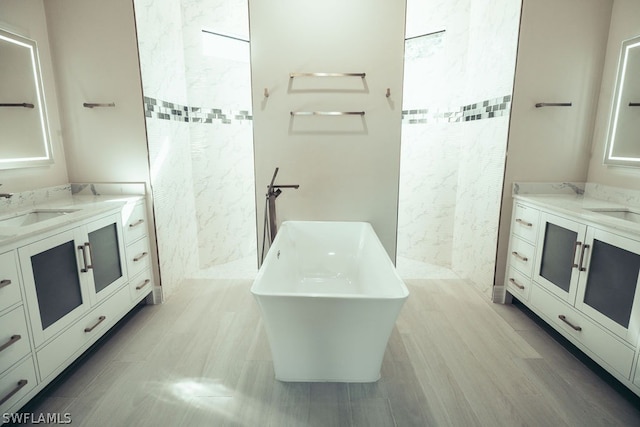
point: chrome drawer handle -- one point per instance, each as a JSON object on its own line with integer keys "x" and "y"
{"x": 139, "y": 257}
{"x": 5, "y": 282}
{"x": 20, "y": 384}
{"x": 138, "y": 222}
{"x": 143, "y": 284}
{"x": 523, "y": 222}
{"x": 520, "y": 257}
{"x": 14, "y": 339}
{"x": 100, "y": 320}
{"x": 564, "y": 319}
{"x": 516, "y": 284}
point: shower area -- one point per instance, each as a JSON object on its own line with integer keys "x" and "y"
{"x": 458, "y": 79}
{"x": 194, "y": 60}
{"x": 459, "y": 67}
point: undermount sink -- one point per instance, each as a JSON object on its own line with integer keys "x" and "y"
{"x": 33, "y": 217}
{"x": 625, "y": 214}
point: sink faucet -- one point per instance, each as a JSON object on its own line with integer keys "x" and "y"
{"x": 6, "y": 195}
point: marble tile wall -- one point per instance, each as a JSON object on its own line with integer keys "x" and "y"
{"x": 28, "y": 199}
{"x": 221, "y": 154}
{"x": 162, "y": 66}
{"x": 459, "y": 84}
{"x": 490, "y": 63}
{"x": 480, "y": 177}
{"x": 427, "y": 196}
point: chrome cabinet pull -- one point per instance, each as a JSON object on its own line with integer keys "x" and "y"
{"x": 5, "y": 282}
{"x": 516, "y": 284}
{"x": 523, "y": 222}
{"x": 575, "y": 249}
{"x": 84, "y": 269}
{"x": 88, "y": 246}
{"x": 564, "y": 319}
{"x": 138, "y": 222}
{"x": 100, "y": 320}
{"x": 84, "y": 248}
{"x": 139, "y": 257}
{"x": 584, "y": 249}
{"x": 143, "y": 284}
{"x": 520, "y": 257}
{"x": 14, "y": 339}
{"x": 17, "y": 388}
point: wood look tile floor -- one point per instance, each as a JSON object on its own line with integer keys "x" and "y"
{"x": 454, "y": 359}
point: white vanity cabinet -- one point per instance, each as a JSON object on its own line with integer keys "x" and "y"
{"x": 62, "y": 289}
{"x": 68, "y": 273}
{"x": 585, "y": 283}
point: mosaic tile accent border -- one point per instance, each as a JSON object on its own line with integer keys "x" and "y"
{"x": 164, "y": 110}
{"x": 490, "y": 108}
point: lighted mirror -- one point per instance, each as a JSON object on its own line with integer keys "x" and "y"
{"x": 24, "y": 131}
{"x": 623, "y": 140}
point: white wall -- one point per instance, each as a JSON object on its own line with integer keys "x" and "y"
{"x": 624, "y": 25}
{"x": 96, "y": 60}
{"x": 560, "y": 58}
{"x": 27, "y": 18}
{"x": 347, "y": 167}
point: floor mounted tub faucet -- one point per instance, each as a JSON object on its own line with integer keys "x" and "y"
{"x": 273, "y": 191}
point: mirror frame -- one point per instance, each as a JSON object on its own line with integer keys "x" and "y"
{"x": 609, "y": 154}
{"x": 47, "y": 157}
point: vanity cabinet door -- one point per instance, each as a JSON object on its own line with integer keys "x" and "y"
{"x": 105, "y": 251}
{"x": 54, "y": 290}
{"x": 609, "y": 282}
{"x": 557, "y": 262}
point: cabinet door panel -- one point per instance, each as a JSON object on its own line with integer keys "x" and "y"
{"x": 609, "y": 282}
{"x": 53, "y": 284}
{"x": 105, "y": 256}
{"x": 556, "y": 267}
{"x": 57, "y": 283}
{"x": 106, "y": 249}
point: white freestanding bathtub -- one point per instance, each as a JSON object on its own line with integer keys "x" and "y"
{"x": 329, "y": 297}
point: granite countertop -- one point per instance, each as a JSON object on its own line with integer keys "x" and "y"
{"x": 77, "y": 208}
{"x": 588, "y": 209}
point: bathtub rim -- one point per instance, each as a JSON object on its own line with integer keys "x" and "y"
{"x": 402, "y": 290}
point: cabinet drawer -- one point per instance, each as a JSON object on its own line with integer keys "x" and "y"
{"x": 521, "y": 256}
{"x": 138, "y": 257}
{"x": 83, "y": 333}
{"x": 16, "y": 383}
{"x": 134, "y": 223}
{"x": 594, "y": 338}
{"x": 14, "y": 338}
{"x": 518, "y": 284}
{"x": 525, "y": 222}
{"x": 141, "y": 285}
{"x": 9, "y": 287}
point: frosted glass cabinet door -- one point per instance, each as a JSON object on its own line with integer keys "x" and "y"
{"x": 54, "y": 287}
{"x": 106, "y": 257}
{"x": 608, "y": 287}
{"x": 556, "y": 267}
